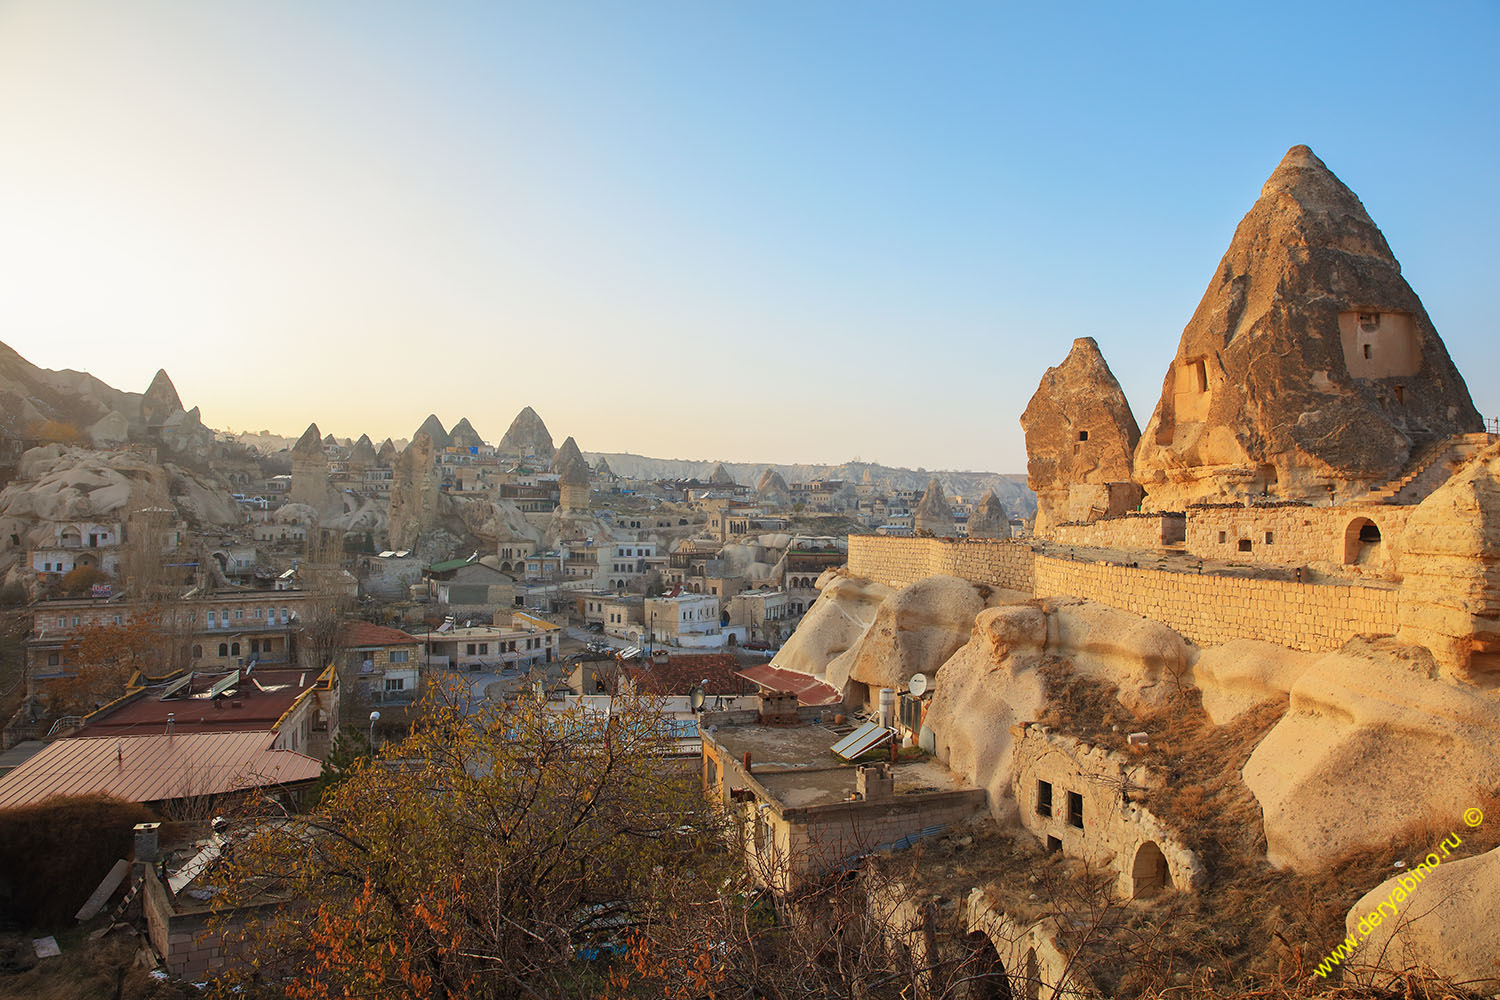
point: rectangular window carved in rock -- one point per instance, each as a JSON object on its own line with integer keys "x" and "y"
{"x": 1044, "y": 798}
{"x": 1075, "y": 809}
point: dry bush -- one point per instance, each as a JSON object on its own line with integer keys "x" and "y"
{"x": 86, "y": 970}
{"x": 53, "y": 854}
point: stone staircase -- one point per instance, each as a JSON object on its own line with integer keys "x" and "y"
{"x": 1429, "y": 469}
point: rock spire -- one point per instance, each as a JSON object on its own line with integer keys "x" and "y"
{"x": 527, "y": 435}
{"x": 1309, "y": 366}
{"x": 433, "y": 428}
{"x": 1080, "y": 440}
{"x": 933, "y": 516}
{"x": 989, "y": 518}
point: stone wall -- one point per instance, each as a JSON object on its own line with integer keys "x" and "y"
{"x": 899, "y": 562}
{"x": 1128, "y": 531}
{"x": 1211, "y": 610}
{"x": 1207, "y": 609}
{"x": 1297, "y": 535}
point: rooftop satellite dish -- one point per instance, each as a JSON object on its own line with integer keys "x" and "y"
{"x": 696, "y": 697}
{"x": 917, "y": 685}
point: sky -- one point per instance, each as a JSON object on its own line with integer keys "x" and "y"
{"x": 769, "y": 231}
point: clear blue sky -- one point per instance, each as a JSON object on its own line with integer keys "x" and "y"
{"x": 754, "y": 231}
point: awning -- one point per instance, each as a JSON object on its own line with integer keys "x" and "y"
{"x": 808, "y": 689}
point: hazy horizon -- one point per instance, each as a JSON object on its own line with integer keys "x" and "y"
{"x": 772, "y": 232}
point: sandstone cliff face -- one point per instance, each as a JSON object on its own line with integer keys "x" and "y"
{"x": 1373, "y": 734}
{"x": 915, "y": 631}
{"x": 1450, "y": 591}
{"x": 1080, "y": 441}
{"x": 526, "y": 435}
{"x": 933, "y": 515}
{"x": 989, "y": 519}
{"x": 1309, "y": 362}
{"x": 418, "y": 505}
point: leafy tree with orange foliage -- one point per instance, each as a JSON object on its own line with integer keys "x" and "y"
{"x": 476, "y": 858}
{"x": 80, "y": 580}
{"x": 101, "y": 658}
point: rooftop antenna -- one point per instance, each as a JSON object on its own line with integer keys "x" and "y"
{"x": 171, "y": 722}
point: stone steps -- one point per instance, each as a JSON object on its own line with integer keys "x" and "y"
{"x": 1432, "y": 466}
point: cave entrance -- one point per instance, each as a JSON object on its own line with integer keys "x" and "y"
{"x": 1361, "y": 541}
{"x": 1149, "y": 874}
{"x": 980, "y": 975}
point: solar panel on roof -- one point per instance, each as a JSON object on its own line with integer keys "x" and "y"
{"x": 224, "y": 684}
{"x": 866, "y": 737}
{"x": 176, "y": 686}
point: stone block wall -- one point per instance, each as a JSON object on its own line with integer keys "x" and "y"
{"x": 1128, "y": 531}
{"x": 899, "y": 562}
{"x": 1211, "y": 610}
{"x": 1207, "y": 609}
{"x": 1298, "y": 536}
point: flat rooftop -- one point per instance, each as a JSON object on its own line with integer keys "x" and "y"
{"x": 797, "y": 765}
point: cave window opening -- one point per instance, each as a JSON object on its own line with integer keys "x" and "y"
{"x": 1223, "y": 537}
{"x": 1244, "y": 545}
{"x": 1075, "y": 809}
{"x": 1044, "y": 798}
{"x": 1083, "y": 435}
{"x": 1053, "y": 845}
{"x": 1269, "y": 538}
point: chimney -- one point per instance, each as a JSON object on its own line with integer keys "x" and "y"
{"x": 874, "y": 783}
{"x": 171, "y": 722}
{"x": 747, "y": 761}
{"x": 146, "y": 843}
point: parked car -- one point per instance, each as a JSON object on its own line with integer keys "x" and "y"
{"x": 757, "y": 645}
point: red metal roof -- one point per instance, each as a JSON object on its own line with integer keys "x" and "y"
{"x": 679, "y": 673}
{"x": 358, "y": 635}
{"x": 155, "y": 768}
{"x": 808, "y": 689}
{"x": 256, "y": 705}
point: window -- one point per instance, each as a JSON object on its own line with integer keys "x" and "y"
{"x": 117, "y": 619}
{"x": 258, "y": 613}
{"x": 213, "y": 619}
{"x": 1223, "y": 537}
{"x": 62, "y": 623}
{"x": 1083, "y": 435}
{"x": 197, "y": 652}
{"x": 1268, "y": 538}
{"x": 52, "y": 659}
{"x": 1244, "y": 545}
{"x": 1366, "y": 350}
{"x": 1053, "y": 845}
{"x": 239, "y": 613}
{"x": 223, "y": 649}
{"x": 470, "y": 649}
{"x": 234, "y": 650}
{"x": 1044, "y": 798}
{"x": 1075, "y": 809}
{"x": 395, "y": 683}
{"x": 400, "y": 655}
{"x": 484, "y": 648}
{"x": 76, "y": 620}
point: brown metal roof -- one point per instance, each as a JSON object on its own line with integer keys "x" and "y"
{"x": 808, "y": 689}
{"x": 155, "y": 768}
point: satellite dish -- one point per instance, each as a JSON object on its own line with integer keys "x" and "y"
{"x": 696, "y": 698}
{"x": 917, "y": 685}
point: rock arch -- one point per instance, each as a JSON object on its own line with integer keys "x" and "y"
{"x": 1149, "y": 873}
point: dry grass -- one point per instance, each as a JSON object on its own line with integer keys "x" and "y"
{"x": 86, "y": 970}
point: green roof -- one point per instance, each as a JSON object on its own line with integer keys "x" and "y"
{"x": 444, "y": 567}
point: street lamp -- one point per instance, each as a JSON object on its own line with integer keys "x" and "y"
{"x": 374, "y": 718}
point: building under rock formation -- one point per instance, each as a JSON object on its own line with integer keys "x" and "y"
{"x": 1080, "y": 440}
{"x": 572, "y": 477}
{"x": 933, "y": 516}
{"x": 1310, "y": 369}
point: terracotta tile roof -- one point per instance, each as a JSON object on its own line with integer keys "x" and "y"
{"x": 357, "y": 635}
{"x": 155, "y": 768}
{"x": 808, "y": 689}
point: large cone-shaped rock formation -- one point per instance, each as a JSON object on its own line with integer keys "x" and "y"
{"x": 463, "y": 435}
{"x": 1309, "y": 364}
{"x": 569, "y": 463}
{"x": 433, "y": 428}
{"x": 362, "y": 456}
{"x": 417, "y": 501}
{"x": 160, "y": 401}
{"x": 310, "y": 480}
{"x": 772, "y": 488}
{"x": 387, "y": 453}
{"x": 527, "y": 435}
{"x": 602, "y": 470}
{"x": 1080, "y": 439}
{"x": 721, "y": 476}
{"x": 1450, "y": 591}
{"x": 933, "y": 515}
{"x": 989, "y": 519}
